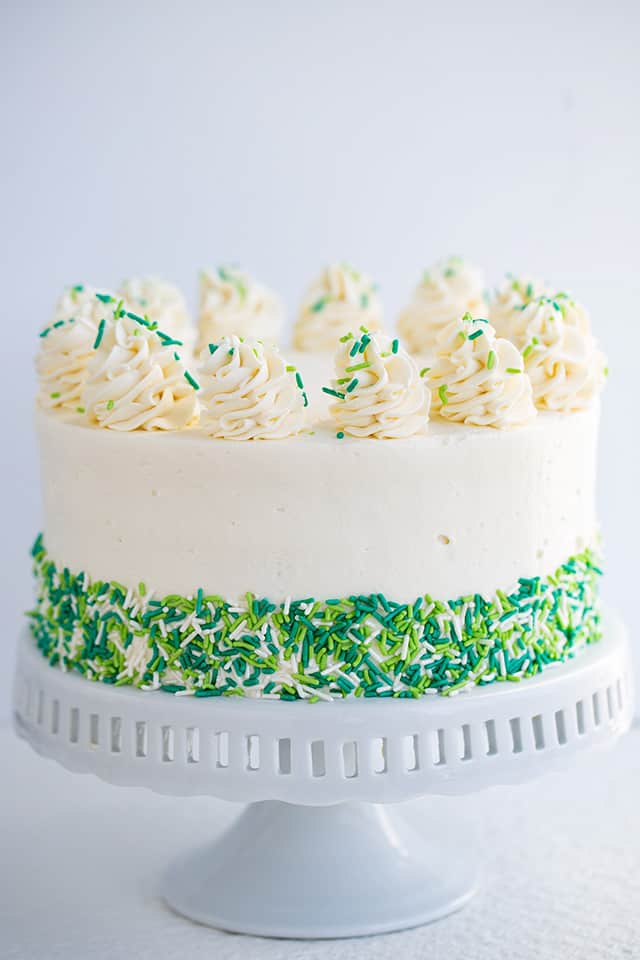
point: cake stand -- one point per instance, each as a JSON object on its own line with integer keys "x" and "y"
{"x": 319, "y": 852}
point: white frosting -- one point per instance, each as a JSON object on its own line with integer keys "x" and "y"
{"x": 562, "y": 358}
{"x": 513, "y": 292}
{"x": 381, "y": 393}
{"x": 249, "y": 392}
{"x": 448, "y": 290}
{"x": 340, "y": 300}
{"x": 232, "y": 302}
{"x": 136, "y": 382}
{"x": 456, "y": 511}
{"x": 162, "y": 302}
{"x": 66, "y": 345}
{"x": 478, "y": 378}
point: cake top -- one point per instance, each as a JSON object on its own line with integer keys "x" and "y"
{"x": 153, "y": 297}
{"x": 446, "y": 291}
{"x": 514, "y": 292}
{"x": 377, "y": 388}
{"x": 339, "y": 300}
{"x": 561, "y": 357}
{"x": 478, "y": 378}
{"x": 136, "y": 379}
{"x": 234, "y": 303}
{"x": 116, "y": 367}
{"x": 67, "y": 345}
{"x": 249, "y": 392}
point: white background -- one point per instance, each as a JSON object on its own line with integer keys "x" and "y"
{"x": 158, "y": 137}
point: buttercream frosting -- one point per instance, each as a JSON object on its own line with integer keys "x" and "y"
{"x": 162, "y": 302}
{"x": 447, "y": 290}
{"x": 232, "y": 302}
{"x": 378, "y": 389}
{"x": 66, "y": 345}
{"x": 249, "y": 392}
{"x": 136, "y": 380}
{"x": 510, "y": 295}
{"x": 340, "y": 299}
{"x": 562, "y": 358}
{"x": 478, "y": 378}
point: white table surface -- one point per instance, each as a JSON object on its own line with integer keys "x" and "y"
{"x": 79, "y": 861}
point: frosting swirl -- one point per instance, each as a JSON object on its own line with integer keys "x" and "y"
{"x": 447, "y": 290}
{"x": 478, "y": 378}
{"x": 513, "y": 293}
{"x": 162, "y": 302}
{"x": 136, "y": 380}
{"x": 379, "y": 392}
{"x": 562, "y": 358}
{"x": 66, "y": 345}
{"x": 249, "y": 392}
{"x": 340, "y": 300}
{"x": 232, "y": 302}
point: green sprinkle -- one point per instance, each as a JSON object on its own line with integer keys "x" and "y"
{"x": 442, "y": 393}
{"x": 394, "y": 346}
{"x": 213, "y": 347}
{"x": 333, "y": 393}
{"x": 100, "y": 333}
{"x": 513, "y": 370}
{"x": 352, "y": 385}
{"x": 354, "y": 646}
{"x": 80, "y": 410}
{"x": 347, "y": 336}
{"x": 491, "y": 360}
{"x": 54, "y": 396}
{"x": 105, "y": 297}
{"x": 358, "y": 366}
{"x": 474, "y": 336}
{"x": 319, "y": 305}
{"x": 340, "y": 435}
{"x": 424, "y": 370}
{"x": 110, "y": 404}
{"x": 190, "y": 380}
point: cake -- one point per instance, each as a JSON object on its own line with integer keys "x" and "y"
{"x": 205, "y": 534}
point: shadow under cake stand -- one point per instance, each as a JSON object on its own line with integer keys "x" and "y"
{"x": 320, "y": 852}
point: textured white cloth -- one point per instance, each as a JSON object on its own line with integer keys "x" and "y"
{"x": 80, "y": 860}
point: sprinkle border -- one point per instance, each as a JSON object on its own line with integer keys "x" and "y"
{"x": 365, "y": 645}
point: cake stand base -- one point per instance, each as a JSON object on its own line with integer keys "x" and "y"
{"x": 308, "y": 858}
{"x": 347, "y": 870}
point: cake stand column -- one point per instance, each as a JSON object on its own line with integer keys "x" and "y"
{"x": 347, "y": 870}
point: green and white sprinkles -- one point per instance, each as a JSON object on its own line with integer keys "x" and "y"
{"x": 363, "y": 646}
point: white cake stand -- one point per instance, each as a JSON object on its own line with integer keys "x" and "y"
{"x": 314, "y": 855}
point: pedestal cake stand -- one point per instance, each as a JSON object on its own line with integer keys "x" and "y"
{"x": 318, "y": 853}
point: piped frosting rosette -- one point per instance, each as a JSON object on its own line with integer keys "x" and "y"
{"x": 233, "y": 303}
{"x": 562, "y": 358}
{"x": 341, "y": 299}
{"x": 137, "y": 380}
{"x": 478, "y": 378}
{"x": 66, "y": 345}
{"x": 378, "y": 390}
{"x": 447, "y": 290}
{"x": 512, "y": 294}
{"x": 163, "y": 303}
{"x": 249, "y": 392}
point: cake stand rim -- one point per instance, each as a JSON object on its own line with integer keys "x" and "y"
{"x": 299, "y": 723}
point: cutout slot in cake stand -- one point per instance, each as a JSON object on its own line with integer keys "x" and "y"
{"x": 320, "y": 851}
